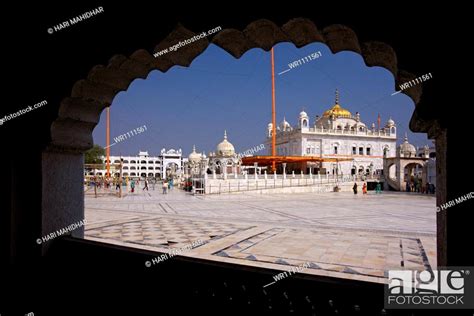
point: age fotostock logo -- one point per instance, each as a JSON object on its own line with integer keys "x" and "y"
{"x": 450, "y": 288}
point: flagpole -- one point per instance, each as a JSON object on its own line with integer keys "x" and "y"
{"x": 273, "y": 112}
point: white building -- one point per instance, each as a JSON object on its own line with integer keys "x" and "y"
{"x": 335, "y": 134}
{"x": 168, "y": 163}
{"x": 430, "y": 164}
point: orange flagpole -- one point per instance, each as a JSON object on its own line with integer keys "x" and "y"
{"x": 107, "y": 136}
{"x": 273, "y": 113}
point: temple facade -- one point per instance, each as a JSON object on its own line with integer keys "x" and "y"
{"x": 337, "y": 133}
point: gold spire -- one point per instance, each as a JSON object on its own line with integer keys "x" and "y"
{"x": 337, "y": 110}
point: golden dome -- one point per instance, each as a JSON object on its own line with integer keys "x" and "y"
{"x": 336, "y": 110}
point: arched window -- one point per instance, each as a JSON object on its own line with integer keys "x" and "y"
{"x": 116, "y": 161}
{"x": 368, "y": 150}
{"x": 305, "y": 123}
{"x": 133, "y": 174}
{"x": 125, "y": 161}
{"x": 353, "y": 170}
{"x": 150, "y": 168}
{"x": 125, "y": 168}
{"x": 133, "y": 161}
{"x": 143, "y": 161}
{"x": 133, "y": 168}
{"x": 143, "y": 168}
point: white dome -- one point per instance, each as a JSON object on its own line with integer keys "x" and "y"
{"x": 406, "y": 149}
{"x": 225, "y": 148}
{"x": 303, "y": 114}
{"x": 390, "y": 123}
{"x": 270, "y": 125}
{"x": 284, "y": 125}
{"x": 194, "y": 156}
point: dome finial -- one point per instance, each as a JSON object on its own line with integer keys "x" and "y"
{"x": 406, "y": 137}
{"x": 337, "y": 96}
{"x": 225, "y": 134}
{"x": 194, "y": 148}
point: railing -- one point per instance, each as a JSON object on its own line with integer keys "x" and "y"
{"x": 276, "y": 183}
{"x": 291, "y": 176}
{"x": 367, "y": 132}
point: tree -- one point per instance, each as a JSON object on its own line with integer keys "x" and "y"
{"x": 94, "y": 155}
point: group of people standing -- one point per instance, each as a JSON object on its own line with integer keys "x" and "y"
{"x": 378, "y": 188}
{"x": 415, "y": 185}
{"x": 167, "y": 185}
{"x": 134, "y": 183}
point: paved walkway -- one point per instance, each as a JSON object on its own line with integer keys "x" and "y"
{"x": 339, "y": 234}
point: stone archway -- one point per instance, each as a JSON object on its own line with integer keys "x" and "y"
{"x": 79, "y": 113}
{"x": 398, "y": 181}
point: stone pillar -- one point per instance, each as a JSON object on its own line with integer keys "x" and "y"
{"x": 255, "y": 165}
{"x": 274, "y": 175}
{"x": 401, "y": 177}
{"x": 293, "y": 173}
{"x": 301, "y": 174}
{"x": 62, "y": 172}
{"x": 284, "y": 170}
{"x": 265, "y": 174}
{"x": 214, "y": 174}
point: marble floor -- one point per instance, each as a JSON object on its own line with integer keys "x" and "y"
{"x": 338, "y": 234}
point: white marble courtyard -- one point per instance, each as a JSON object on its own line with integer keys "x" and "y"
{"x": 341, "y": 234}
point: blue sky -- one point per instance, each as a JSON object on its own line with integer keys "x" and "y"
{"x": 187, "y": 106}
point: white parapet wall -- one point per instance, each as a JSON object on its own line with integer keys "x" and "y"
{"x": 279, "y": 185}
